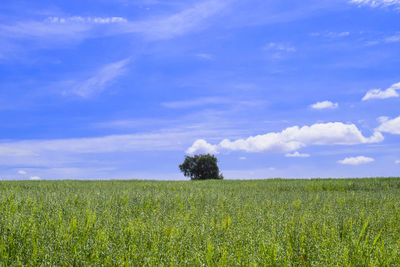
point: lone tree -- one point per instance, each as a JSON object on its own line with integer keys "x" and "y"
{"x": 201, "y": 167}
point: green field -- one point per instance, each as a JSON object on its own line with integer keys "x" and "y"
{"x": 209, "y": 223}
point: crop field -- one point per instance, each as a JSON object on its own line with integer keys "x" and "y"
{"x": 208, "y": 223}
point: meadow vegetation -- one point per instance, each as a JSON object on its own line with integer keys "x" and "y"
{"x": 201, "y": 223}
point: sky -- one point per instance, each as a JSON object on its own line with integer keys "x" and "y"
{"x": 119, "y": 89}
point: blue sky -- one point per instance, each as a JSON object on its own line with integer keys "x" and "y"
{"x": 112, "y": 89}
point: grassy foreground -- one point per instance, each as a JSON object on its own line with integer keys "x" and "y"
{"x": 226, "y": 223}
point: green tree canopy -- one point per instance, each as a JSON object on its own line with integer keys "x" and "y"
{"x": 201, "y": 167}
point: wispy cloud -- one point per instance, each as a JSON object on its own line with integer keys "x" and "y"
{"x": 297, "y": 155}
{"x": 377, "y": 3}
{"x": 195, "y": 102}
{"x": 44, "y": 30}
{"x": 205, "y": 56}
{"x": 397, "y": 162}
{"x": 98, "y": 82}
{"x": 387, "y": 39}
{"x": 382, "y": 94}
{"x": 294, "y": 138}
{"x": 279, "y": 47}
{"x": 15, "y": 152}
{"x": 168, "y": 139}
{"x": 279, "y": 50}
{"x": 22, "y": 172}
{"x": 62, "y": 28}
{"x": 188, "y": 20}
{"x": 331, "y": 35}
{"x": 337, "y": 34}
{"x": 135, "y": 123}
{"x": 105, "y": 144}
{"x": 324, "y": 105}
{"x": 89, "y": 20}
{"x": 356, "y": 160}
{"x": 54, "y": 30}
{"x": 393, "y": 39}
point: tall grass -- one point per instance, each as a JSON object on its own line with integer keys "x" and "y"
{"x": 225, "y": 223}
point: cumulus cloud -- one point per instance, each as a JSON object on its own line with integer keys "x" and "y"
{"x": 34, "y": 178}
{"x": 22, "y": 172}
{"x": 389, "y": 125}
{"x": 383, "y": 94}
{"x": 356, "y": 160}
{"x": 297, "y": 155}
{"x": 98, "y": 82}
{"x": 324, "y": 105}
{"x": 294, "y": 138}
{"x": 201, "y": 146}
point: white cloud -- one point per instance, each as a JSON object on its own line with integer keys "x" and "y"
{"x": 90, "y": 20}
{"x": 168, "y": 139}
{"x": 383, "y": 94}
{"x": 45, "y": 30}
{"x": 242, "y": 158}
{"x": 297, "y": 155}
{"x": 56, "y": 30}
{"x": 22, "y": 172}
{"x": 104, "y": 144}
{"x": 98, "y": 82}
{"x": 14, "y": 152}
{"x": 337, "y": 34}
{"x": 201, "y": 146}
{"x": 294, "y": 138}
{"x": 34, "y": 178}
{"x": 356, "y": 160}
{"x": 171, "y": 135}
{"x": 389, "y": 125}
{"x": 278, "y": 51}
{"x": 332, "y": 35}
{"x": 376, "y": 3}
{"x": 397, "y": 162}
{"x": 324, "y": 105}
{"x": 280, "y": 47}
{"x": 188, "y": 20}
{"x": 393, "y": 39}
